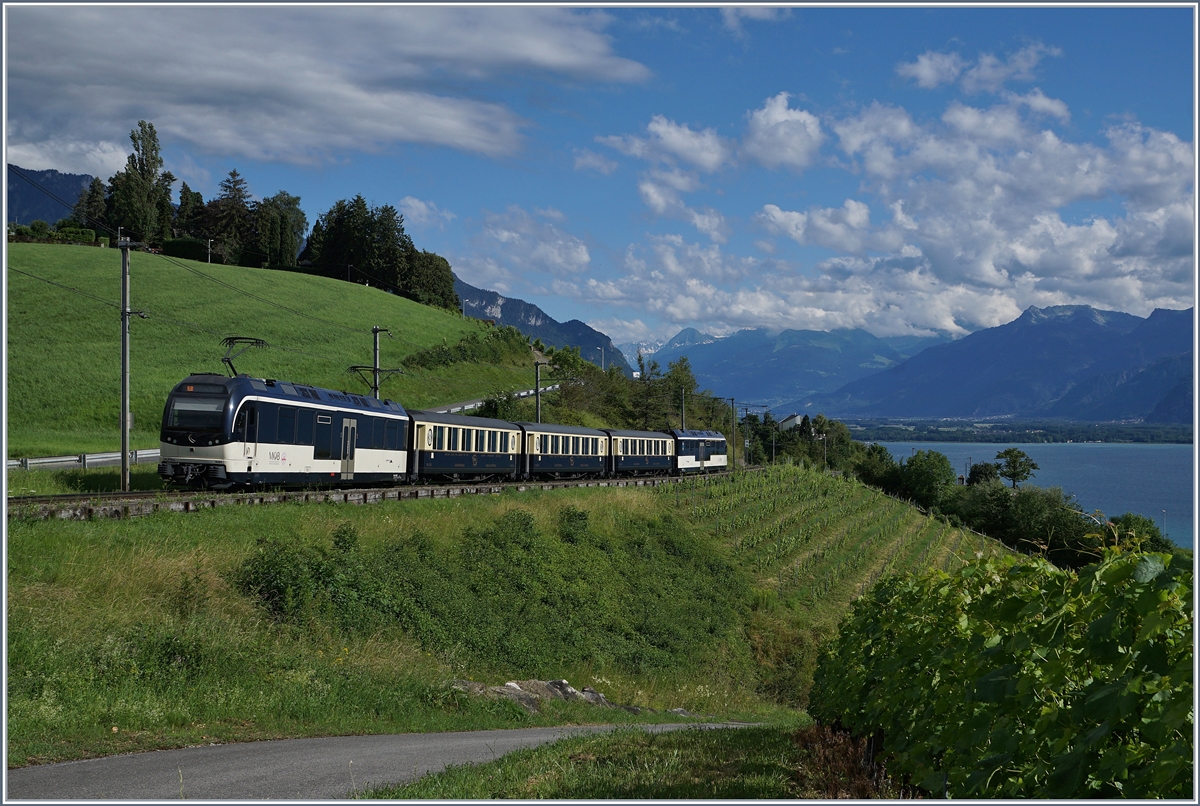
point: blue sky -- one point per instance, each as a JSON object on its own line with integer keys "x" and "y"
{"x": 904, "y": 170}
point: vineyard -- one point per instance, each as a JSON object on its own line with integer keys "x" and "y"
{"x": 816, "y": 542}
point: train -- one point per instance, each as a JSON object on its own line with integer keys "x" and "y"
{"x": 222, "y": 432}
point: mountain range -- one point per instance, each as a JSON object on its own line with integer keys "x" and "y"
{"x": 27, "y": 204}
{"x": 1068, "y": 361}
{"x": 535, "y": 323}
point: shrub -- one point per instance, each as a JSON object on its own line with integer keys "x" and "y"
{"x": 1018, "y": 679}
{"x": 189, "y": 249}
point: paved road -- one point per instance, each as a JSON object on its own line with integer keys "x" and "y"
{"x": 288, "y": 769}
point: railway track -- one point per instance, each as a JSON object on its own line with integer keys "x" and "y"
{"x": 89, "y": 506}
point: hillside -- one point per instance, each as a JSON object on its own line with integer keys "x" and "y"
{"x": 241, "y": 623}
{"x": 64, "y": 347}
{"x": 26, "y": 203}
{"x": 1067, "y": 361}
{"x": 535, "y": 323}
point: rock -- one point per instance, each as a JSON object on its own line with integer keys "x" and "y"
{"x": 595, "y": 697}
{"x": 522, "y": 698}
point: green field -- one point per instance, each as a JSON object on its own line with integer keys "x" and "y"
{"x": 260, "y": 622}
{"x": 64, "y": 363}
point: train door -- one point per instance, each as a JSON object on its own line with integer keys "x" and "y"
{"x": 248, "y": 419}
{"x": 349, "y": 441}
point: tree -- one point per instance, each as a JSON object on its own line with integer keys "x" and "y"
{"x": 229, "y": 219}
{"x": 1015, "y": 465}
{"x": 1141, "y": 531}
{"x": 280, "y": 226}
{"x": 137, "y": 191}
{"x": 190, "y": 213}
{"x": 430, "y": 281}
{"x": 983, "y": 473}
{"x": 925, "y": 477}
{"x": 90, "y": 211}
{"x": 876, "y": 467}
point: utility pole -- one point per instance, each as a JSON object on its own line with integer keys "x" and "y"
{"x": 125, "y": 314}
{"x": 537, "y": 385}
{"x": 682, "y": 409}
{"x": 210, "y": 250}
{"x": 733, "y": 431}
{"x": 375, "y": 386}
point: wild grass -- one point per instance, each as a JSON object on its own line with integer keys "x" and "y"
{"x": 170, "y": 627}
{"x": 64, "y": 347}
{"x": 748, "y": 763}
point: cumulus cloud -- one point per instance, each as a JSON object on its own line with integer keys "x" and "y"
{"x": 988, "y": 73}
{"x": 960, "y": 223}
{"x": 534, "y": 242}
{"x": 780, "y": 136}
{"x": 102, "y": 159}
{"x": 587, "y": 160}
{"x": 297, "y": 87}
{"x": 732, "y": 17}
{"x": 674, "y": 143}
{"x": 933, "y": 69}
{"x": 424, "y": 214}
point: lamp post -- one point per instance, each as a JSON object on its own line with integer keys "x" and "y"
{"x": 825, "y": 449}
{"x": 537, "y": 385}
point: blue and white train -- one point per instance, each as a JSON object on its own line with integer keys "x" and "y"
{"x": 220, "y": 432}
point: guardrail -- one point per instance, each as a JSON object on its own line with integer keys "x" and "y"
{"x": 474, "y": 404}
{"x": 84, "y": 460}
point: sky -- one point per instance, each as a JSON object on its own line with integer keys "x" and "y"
{"x": 905, "y": 170}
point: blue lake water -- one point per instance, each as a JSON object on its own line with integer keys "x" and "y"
{"x": 1113, "y": 478}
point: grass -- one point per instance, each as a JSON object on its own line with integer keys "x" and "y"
{"x": 767, "y": 762}
{"x": 710, "y": 596}
{"x": 64, "y": 348}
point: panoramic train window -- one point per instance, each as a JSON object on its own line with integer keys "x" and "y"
{"x": 554, "y": 444}
{"x": 196, "y": 412}
{"x": 575, "y": 445}
{"x": 466, "y": 439}
{"x": 491, "y": 446}
{"x": 323, "y": 441}
{"x": 453, "y": 439}
{"x": 304, "y": 427}
{"x": 480, "y": 440}
{"x": 439, "y": 437}
{"x": 392, "y": 435}
{"x": 286, "y": 434}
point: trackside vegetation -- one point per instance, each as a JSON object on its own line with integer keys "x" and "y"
{"x": 307, "y": 620}
{"x": 1016, "y": 679}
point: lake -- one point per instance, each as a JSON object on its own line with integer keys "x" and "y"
{"x": 1113, "y": 478}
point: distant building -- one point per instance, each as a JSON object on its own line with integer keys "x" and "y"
{"x": 791, "y": 421}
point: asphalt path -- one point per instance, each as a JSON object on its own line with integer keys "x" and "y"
{"x": 286, "y": 769}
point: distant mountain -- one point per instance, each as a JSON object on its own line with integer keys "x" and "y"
{"x": 1070, "y": 361}
{"x": 756, "y": 365}
{"x": 630, "y": 349}
{"x": 535, "y": 323}
{"x": 26, "y": 203}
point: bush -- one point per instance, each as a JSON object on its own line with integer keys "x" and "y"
{"x": 188, "y": 249}
{"x": 75, "y": 235}
{"x": 1017, "y": 679}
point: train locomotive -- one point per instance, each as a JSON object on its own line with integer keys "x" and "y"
{"x": 220, "y": 432}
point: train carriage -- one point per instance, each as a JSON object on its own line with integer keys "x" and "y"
{"x": 219, "y": 432}
{"x": 699, "y": 451}
{"x": 461, "y": 446}
{"x": 562, "y": 450}
{"x": 640, "y": 452}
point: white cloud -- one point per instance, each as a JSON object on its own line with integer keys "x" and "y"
{"x": 587, "y": 160}
{"x": 672, "y": 143}
{"x": 1037, "y": 101}
{"x": 732, "y": 17}
{"x": 424, "y": 214}
{"x": 988, "y": 73}
{"x": 534, "y": 244}
{"x": 844, "y": 228}
{"x": 933, "y": 69}
{"x": 296, "y": 87}
{"x": 101, "y": 159}
{"x": 778, "y": 135}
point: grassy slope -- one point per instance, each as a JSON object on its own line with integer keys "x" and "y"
{"x": 135, "y": 624}
{"x": 64, "y": 349}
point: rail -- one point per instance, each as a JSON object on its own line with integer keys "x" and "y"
{"x": 127, "y": 505}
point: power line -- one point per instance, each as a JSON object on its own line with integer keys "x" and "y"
{"x": 68, "y": 288}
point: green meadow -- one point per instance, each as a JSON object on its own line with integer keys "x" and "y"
{"x": 64, "y": 358}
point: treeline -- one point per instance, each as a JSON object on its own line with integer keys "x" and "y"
{"x": 351, "y": 241}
